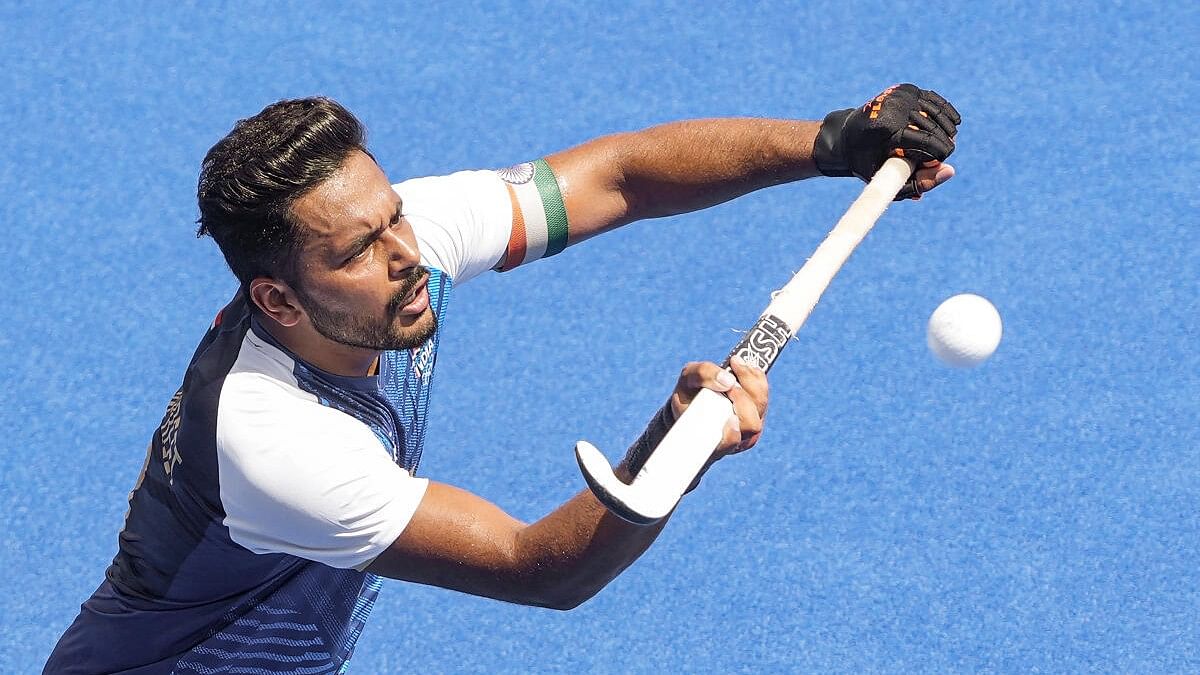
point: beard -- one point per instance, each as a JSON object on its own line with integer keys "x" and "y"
{"x": 377, "y": 334}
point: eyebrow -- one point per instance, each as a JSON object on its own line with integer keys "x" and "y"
{"x": 364, "y": 240}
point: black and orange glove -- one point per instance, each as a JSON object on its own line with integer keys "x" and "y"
{"x": 904, "y": 121}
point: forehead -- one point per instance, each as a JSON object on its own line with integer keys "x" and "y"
{"x": 357, "y": 198}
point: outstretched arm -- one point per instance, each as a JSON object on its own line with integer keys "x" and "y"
{"x": 685, "y": 166}
{"x": 460, "y": 541}
{"x": 677, "y": 167}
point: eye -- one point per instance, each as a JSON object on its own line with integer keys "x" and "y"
{"x": 358, "y": 256}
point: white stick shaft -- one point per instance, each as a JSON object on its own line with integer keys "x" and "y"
{"x": 684, "y": 451}
{"x": 796, "y": 300}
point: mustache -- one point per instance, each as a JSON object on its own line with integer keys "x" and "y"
{"x": 400, "y": 299}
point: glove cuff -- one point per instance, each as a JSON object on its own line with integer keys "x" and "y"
{"x": 828, "y": 154}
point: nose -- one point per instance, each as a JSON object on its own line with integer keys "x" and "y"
{"x": 403, "y": 253}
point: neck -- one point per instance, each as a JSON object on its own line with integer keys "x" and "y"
{"x": 320, "y": 351}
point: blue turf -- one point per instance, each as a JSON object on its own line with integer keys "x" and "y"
{"x": 1039, "y": 513}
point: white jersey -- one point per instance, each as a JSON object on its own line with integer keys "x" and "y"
{"x": 281, "y": 487}
{"x": 271, "y": 484}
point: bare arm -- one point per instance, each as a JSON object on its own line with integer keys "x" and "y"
{"x": 677, "y": 167}
{"x": 686, "y": 166}
{"x": 460, "y": 541}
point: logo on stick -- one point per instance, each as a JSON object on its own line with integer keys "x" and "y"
{"x": 763, "y": 342}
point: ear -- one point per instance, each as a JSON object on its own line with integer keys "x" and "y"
{"x": 277, "y": 300}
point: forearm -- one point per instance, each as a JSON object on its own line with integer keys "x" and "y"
{"x": 459, "y": 541}
{"x": 685, "y": 166}
{"x": 678, "y": 167}
{"x": 576, "y": 550}
{"x": 581, "y": 546}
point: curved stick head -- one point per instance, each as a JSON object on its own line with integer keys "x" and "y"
{"x": 639, "y": 507}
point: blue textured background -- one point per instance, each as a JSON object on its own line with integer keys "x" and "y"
{"x": 1039, "y": 513}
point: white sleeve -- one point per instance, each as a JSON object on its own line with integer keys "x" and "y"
{"x": 473, "y": 221}
{"x": 300, "y": 478}
{"x": 462, "y": 221}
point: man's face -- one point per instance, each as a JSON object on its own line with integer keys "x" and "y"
{"x": 359, "y": 277}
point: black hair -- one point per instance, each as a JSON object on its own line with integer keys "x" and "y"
{"x": 252, "y": 176}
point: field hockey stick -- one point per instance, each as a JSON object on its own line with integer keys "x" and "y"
{"x": 687, "y": 447}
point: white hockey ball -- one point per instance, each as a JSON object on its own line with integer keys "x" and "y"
{"x": 964, "y": 330}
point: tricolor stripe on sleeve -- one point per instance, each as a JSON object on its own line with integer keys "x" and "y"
{"x": 539, "y": 217}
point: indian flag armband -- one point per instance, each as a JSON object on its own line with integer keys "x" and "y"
{"x": 539, "y": 217}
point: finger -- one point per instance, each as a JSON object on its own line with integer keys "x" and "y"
{"x": 921, "y": 121}
{"x": 944, "y": 105}
{"x": 928, "y": 179}
{"x": 695, "y": 376}
{"x": 753, "y": 441}
{"x": 925, "y": 179}
{"x": 749, "y": 419}
{"x": 930, "y": 111}
{"x": 731, "y": 436}
{"x": 920, "y": 145}
{"x": 754, "y": 381}
{"x": 704, "y": 374}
